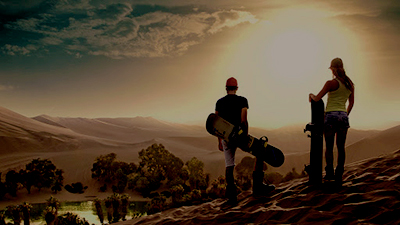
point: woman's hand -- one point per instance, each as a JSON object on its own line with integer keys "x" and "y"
{"x": 311, "y": 96}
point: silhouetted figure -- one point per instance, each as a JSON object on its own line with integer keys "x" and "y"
{"x": 340, "y": 90}
{"x": 233, "y": 108}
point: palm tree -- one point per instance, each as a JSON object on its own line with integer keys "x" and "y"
{"x": 2, "y": 218}
{"x": 124, "y": 206}
{"x": 116, "y": 203}
{"x": 52, "y": 210}
{"x": 26, "y": 209}
{"x": 99, "y": 210}
{"x": 14, "y": 213}
{"x": 109, "y": 207}
{"x": 50, "y": 216}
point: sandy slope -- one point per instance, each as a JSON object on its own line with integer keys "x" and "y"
{"x": 370, "y": 195}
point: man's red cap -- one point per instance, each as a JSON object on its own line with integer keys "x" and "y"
{"x": 231, "y": 82}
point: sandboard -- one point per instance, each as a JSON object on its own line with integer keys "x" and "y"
{"x": 316, "y": 128}
{"x": 235, "y": 136}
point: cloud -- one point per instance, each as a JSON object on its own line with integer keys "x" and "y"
{"x": 17, "y": 50}
{"x": 121, "y": 30}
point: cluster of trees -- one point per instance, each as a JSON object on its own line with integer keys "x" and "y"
{"x": 22, "y": 213}
{"x": 181, "y": 183}
{"x": 16, "y": 213}
{"x": 116, "y": 208}
{"x": 157, "y": 167}
{"x": 112, "y": 173}
{"x": 38, "y": 173}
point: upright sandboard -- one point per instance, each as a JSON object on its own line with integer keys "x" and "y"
{"x": 316, "y": 128}
{"x": 235, "y": 136}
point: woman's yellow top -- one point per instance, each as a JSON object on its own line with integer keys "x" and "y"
{"x": 337, "y": 99}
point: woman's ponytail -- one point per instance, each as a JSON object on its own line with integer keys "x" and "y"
{"x": 340, "y": 73}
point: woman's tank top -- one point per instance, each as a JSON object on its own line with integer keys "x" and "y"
{"x": 337, "y": 99}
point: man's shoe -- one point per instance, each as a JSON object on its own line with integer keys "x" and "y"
{"x": 259, "y": 187}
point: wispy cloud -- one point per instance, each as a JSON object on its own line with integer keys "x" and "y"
{"x": 120, "y": 30}
{"x": 18, "y": 50}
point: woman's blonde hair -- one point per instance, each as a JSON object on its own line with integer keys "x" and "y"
{"x": 340, "y": 73}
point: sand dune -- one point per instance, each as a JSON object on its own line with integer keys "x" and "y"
{"x": 381, "y": 143}
{"x": 130, "y": 130}
{"x": 370, "y": 195}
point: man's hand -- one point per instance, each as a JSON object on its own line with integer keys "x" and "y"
{"x": 220, "y": 147}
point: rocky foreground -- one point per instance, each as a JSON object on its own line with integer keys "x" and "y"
{"x": 370, "y": 195}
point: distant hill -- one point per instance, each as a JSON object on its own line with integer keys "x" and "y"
{"x": 380, "y": 143}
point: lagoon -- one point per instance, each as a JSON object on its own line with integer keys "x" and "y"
{"x": 85, "y": 209}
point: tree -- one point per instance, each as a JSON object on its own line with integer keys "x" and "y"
{"x": 99, "y": 210}
{"x": 244, "y": 172}
{"x": 157, "y": 165}
{"x": 102, "y": 168}
{"x": 141, "y": 184}
{"x": 152, "y": 165}
{"x": 2, "y": 218}
{"x": 3, "y": 189}
{"x": 218, "y": 188}
{"x": 42, "y": 174}
{"x": 26, "y": 209}
{"x": 157, "y": 204}
{"x": 197, "y": 178}
{"x": 124, "y": 206}
{"x": 177, "y": 193}
{"x": 109, "y": 171}
{"x": 122, "y": 181}
{"x": 109, "y": 206}
{"x": 58, "y": 184}
{"x": 115, "y": 200}
{"x": 14, "y": 213}
{"x": 12, "y": 180}
{"x": 51, "y": 210}
{"x": 27, "y": 179}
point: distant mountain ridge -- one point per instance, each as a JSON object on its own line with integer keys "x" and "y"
{"x": 128, "y": 130}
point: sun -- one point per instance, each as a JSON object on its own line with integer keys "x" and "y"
{"x": 293, "y": 53}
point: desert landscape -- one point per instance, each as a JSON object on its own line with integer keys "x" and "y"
{"x": 124, "y": 88}
{"x": 73, "y": 144}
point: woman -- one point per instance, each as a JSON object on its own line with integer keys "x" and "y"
{"x": 339, "y": 89}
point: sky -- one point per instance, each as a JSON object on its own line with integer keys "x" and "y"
{"x": 170, "y": 59}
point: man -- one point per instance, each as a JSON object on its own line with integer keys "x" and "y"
{"x": 233, "y": 108}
